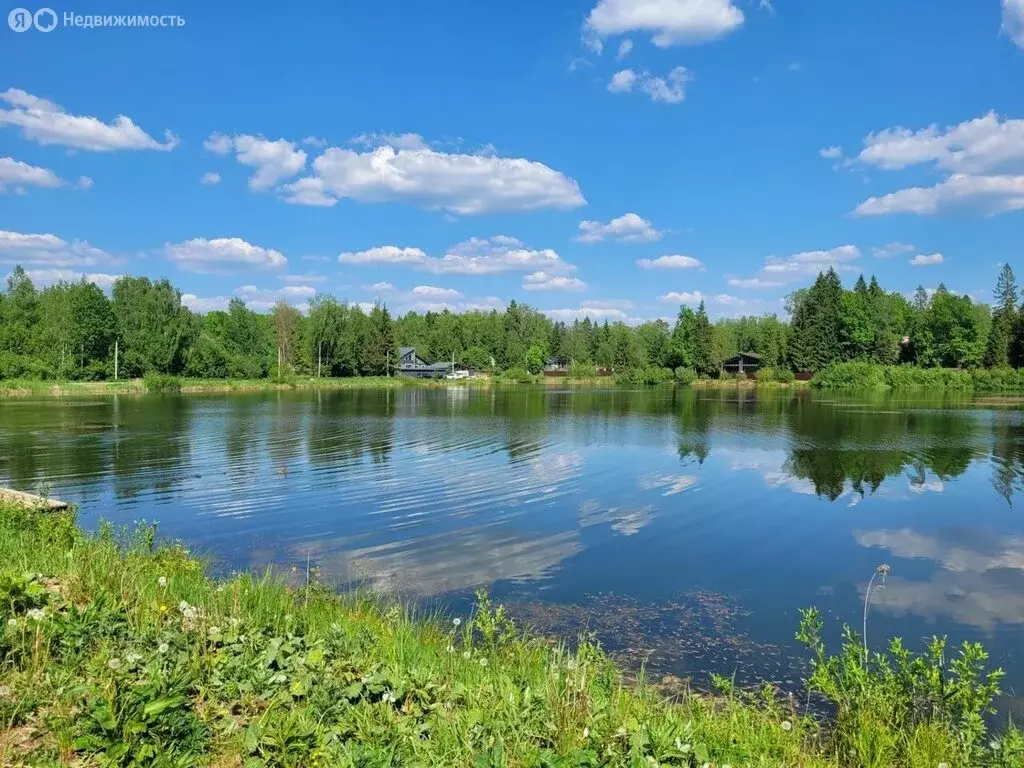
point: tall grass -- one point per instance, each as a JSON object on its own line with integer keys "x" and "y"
{"x": 862, "y": 375}
{"x": 118, "y": 650}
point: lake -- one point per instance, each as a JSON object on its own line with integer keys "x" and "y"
{"x": 684, "y": 527}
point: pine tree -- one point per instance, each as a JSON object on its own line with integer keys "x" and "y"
{"x": 703, "y": 344}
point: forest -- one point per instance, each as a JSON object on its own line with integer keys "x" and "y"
{"x": 75, "y": 331}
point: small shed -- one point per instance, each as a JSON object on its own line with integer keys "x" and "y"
{"x": 744, "y": 362}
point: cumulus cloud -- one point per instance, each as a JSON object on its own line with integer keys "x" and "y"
{"x": 201, "y": 305}
{"x": 264, "y": 299}
{"x": 43, "y": 277}
{"x": 273, "y": 160}
{"x": 923, "y": 260}
{"x": 890, "y": 250}
{"x": 222, "y": 254}
{"x": 675, "y": 261}
{"x": 724, "y": 299}
{"x": 435, "y": 292}
{"x": 1013, "y": 21}
{"x": 382, "y": 286}
{"x": 990, "y": 194}
{"x": 628, "y": 228}
{"x": 622, "y": 81}
{"x": 983, "y": 156}
{"x": 598, "y": 311}
{"x": 831, "y": 153}
{"x": 45, "y": 122}
{"x": 415, "y": 173}
{"x": 670, "y": 22}
{"x": 755, "y": 283}
{"x": 49, "y": 251}
{"x": 545, "y": 281}
{"x": 670, "y": 89}
{"x": 476, "y": 256}
{"x": 682, "y": 297}
{"x": 209, "y": 178}
{"x": 15, "y": 172}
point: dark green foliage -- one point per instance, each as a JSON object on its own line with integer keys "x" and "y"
{"x": 152, "y": 331}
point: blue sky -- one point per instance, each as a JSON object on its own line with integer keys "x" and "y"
{"x": 609, "y": 158}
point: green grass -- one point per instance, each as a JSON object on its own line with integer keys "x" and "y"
{"x": 118, "y": 650}
{"x": 863, "y": 375}
{"x": 154, "y": 383}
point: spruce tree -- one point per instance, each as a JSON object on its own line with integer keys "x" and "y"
{"x": 1000, "y": 344}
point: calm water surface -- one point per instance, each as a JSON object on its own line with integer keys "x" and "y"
{"x": 686, "y": 528}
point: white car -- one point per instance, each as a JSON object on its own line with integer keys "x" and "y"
{"x": 458, "y": 375}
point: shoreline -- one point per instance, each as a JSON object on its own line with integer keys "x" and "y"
{"x": 117, "y": 644}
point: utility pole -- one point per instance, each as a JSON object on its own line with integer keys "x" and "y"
{"x": 115, "y": 359}
{"x": 278, "y": 362}
{"x": 319, "y": 356}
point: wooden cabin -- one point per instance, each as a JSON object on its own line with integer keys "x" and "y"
{"x": 746, "y": 363}
{"x": 412, "y": 365}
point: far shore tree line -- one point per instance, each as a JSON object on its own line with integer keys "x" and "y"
{"x": 75, "y": 331}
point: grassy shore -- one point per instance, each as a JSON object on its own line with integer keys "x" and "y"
{"x": 34, "y": 388}
{"x": 118, "y": 650}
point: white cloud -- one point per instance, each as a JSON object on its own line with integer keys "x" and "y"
{"x": 220, "y": 254}
{"x": 810, "y": 263}
{"x": 593, "y": 310}
{"x": 264, "y": 299}
{"x": 306, "y": 278}
{"x": 382, "y": 286}
{"x": 22, "y": 174}
{"x": 675, "y": 261}
{"x": 396, "y": 140}
{"x": 831, "y": 153}
{"x": 49, "y": 251}
{"x": 476, "y": 256}
{"x": 201, "y": 305}
{"x": 456, "y": 183}
{"x": 544, "y": 281}
{"x": 273, "y": 160}
{"x": 990, "y": 194}
{"x": 210, "y": 178}
{"x": 752, "y": 282}
{"x": 43, "y": 277}
{"x": 973, "y": 146}
{"x": 671, "y": 22}
{"x": 628, "y": 228}
{"x": 622, "y": 81}
{"x": 682, "y": 297}
{"x": 434, "y": 292}
{"x": 1013, "y": 21}
{"x": 890, "y": 250}
{"x": 624, "y": 49}
{"x": 670, "y": 89}
{"x": 984, "y": 157}
{"x": 45, "y": 122}
{"x": 922, "y": 260}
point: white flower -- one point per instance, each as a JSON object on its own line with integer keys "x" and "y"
{"x": 114, "y": 663}
{"x": 456, "y": 621}
{"x": 788, "y": 726}
{"x": 214, "y": 631}
{"x": 132, "y": 657}
{"x": 183, "y": 606}
{"x": 483, "y": 662}
{"x": 233, "y": 621}
{"x": 163, "y": 648}
{"x": 389, "y": 697}
{"x": 162, "y": 582}
{"x": 36, "y": 614}
{"x": 586, "y": 733}
{"x": 12, "y": 622}
{"x": 465, "y": 654}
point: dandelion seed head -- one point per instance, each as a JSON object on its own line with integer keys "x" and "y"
{"x": 456, "y": 621}
{"x": 787, "y": 726}
{"x": 483, "y": 662}
{"x": 162, "y": 582}
{"x": 114, "y": 663}
{"x": 163, "y": 648}
{"x": 36, "y": 614}
{"x": 12, "y": 622}
{"x": 465, "y": 654}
